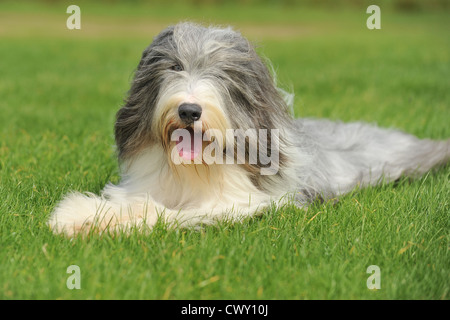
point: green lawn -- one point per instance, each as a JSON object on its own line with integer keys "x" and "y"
{"x": 60, "y": 90}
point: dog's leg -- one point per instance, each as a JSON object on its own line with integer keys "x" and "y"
{"x": 360, "y": 154}
{"x": 80, "y": 213}
{"x": 75, "y": 212}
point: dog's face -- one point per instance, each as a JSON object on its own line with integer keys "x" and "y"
{"x": 203, "y": 80}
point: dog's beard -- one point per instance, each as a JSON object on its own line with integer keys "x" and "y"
{"x": 195, "y": 143}
{"x": 187, "y": 142}
{"x": 190, "y": 144}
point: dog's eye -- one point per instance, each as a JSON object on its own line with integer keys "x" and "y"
{"x": 176, "y": 67}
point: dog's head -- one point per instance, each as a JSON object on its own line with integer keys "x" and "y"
{"x": 197, "y": 80}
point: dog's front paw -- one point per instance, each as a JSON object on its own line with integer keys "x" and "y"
{"x": 79, "y": 213}
{"x": 75, "y": 213}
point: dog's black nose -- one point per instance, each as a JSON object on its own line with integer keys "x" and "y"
{"x": 189, "y": 112}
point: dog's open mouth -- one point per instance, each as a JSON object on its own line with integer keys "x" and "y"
{"x": 189, "y": 144}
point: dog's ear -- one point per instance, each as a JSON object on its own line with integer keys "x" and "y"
{"x": 160, "y": 39}
{"x": 130, "y": 133}
{"x": 125, "y": 128}
{"x": 163, "y": 36}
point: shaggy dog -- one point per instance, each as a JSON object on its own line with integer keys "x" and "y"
{"x": 205, "y": 134}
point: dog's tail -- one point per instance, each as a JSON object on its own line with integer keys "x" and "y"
{"x": 422, "y": 156}
{"x": 360, "y": 154}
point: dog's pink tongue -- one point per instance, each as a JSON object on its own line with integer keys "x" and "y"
{"x": 189, "y": 150}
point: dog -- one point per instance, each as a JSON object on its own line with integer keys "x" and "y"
{"x": 206, "y": 135}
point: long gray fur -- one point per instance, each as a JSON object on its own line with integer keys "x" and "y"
{"x": 338, "y": 156}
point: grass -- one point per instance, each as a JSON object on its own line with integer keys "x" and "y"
{"x": 60, "y": 90}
